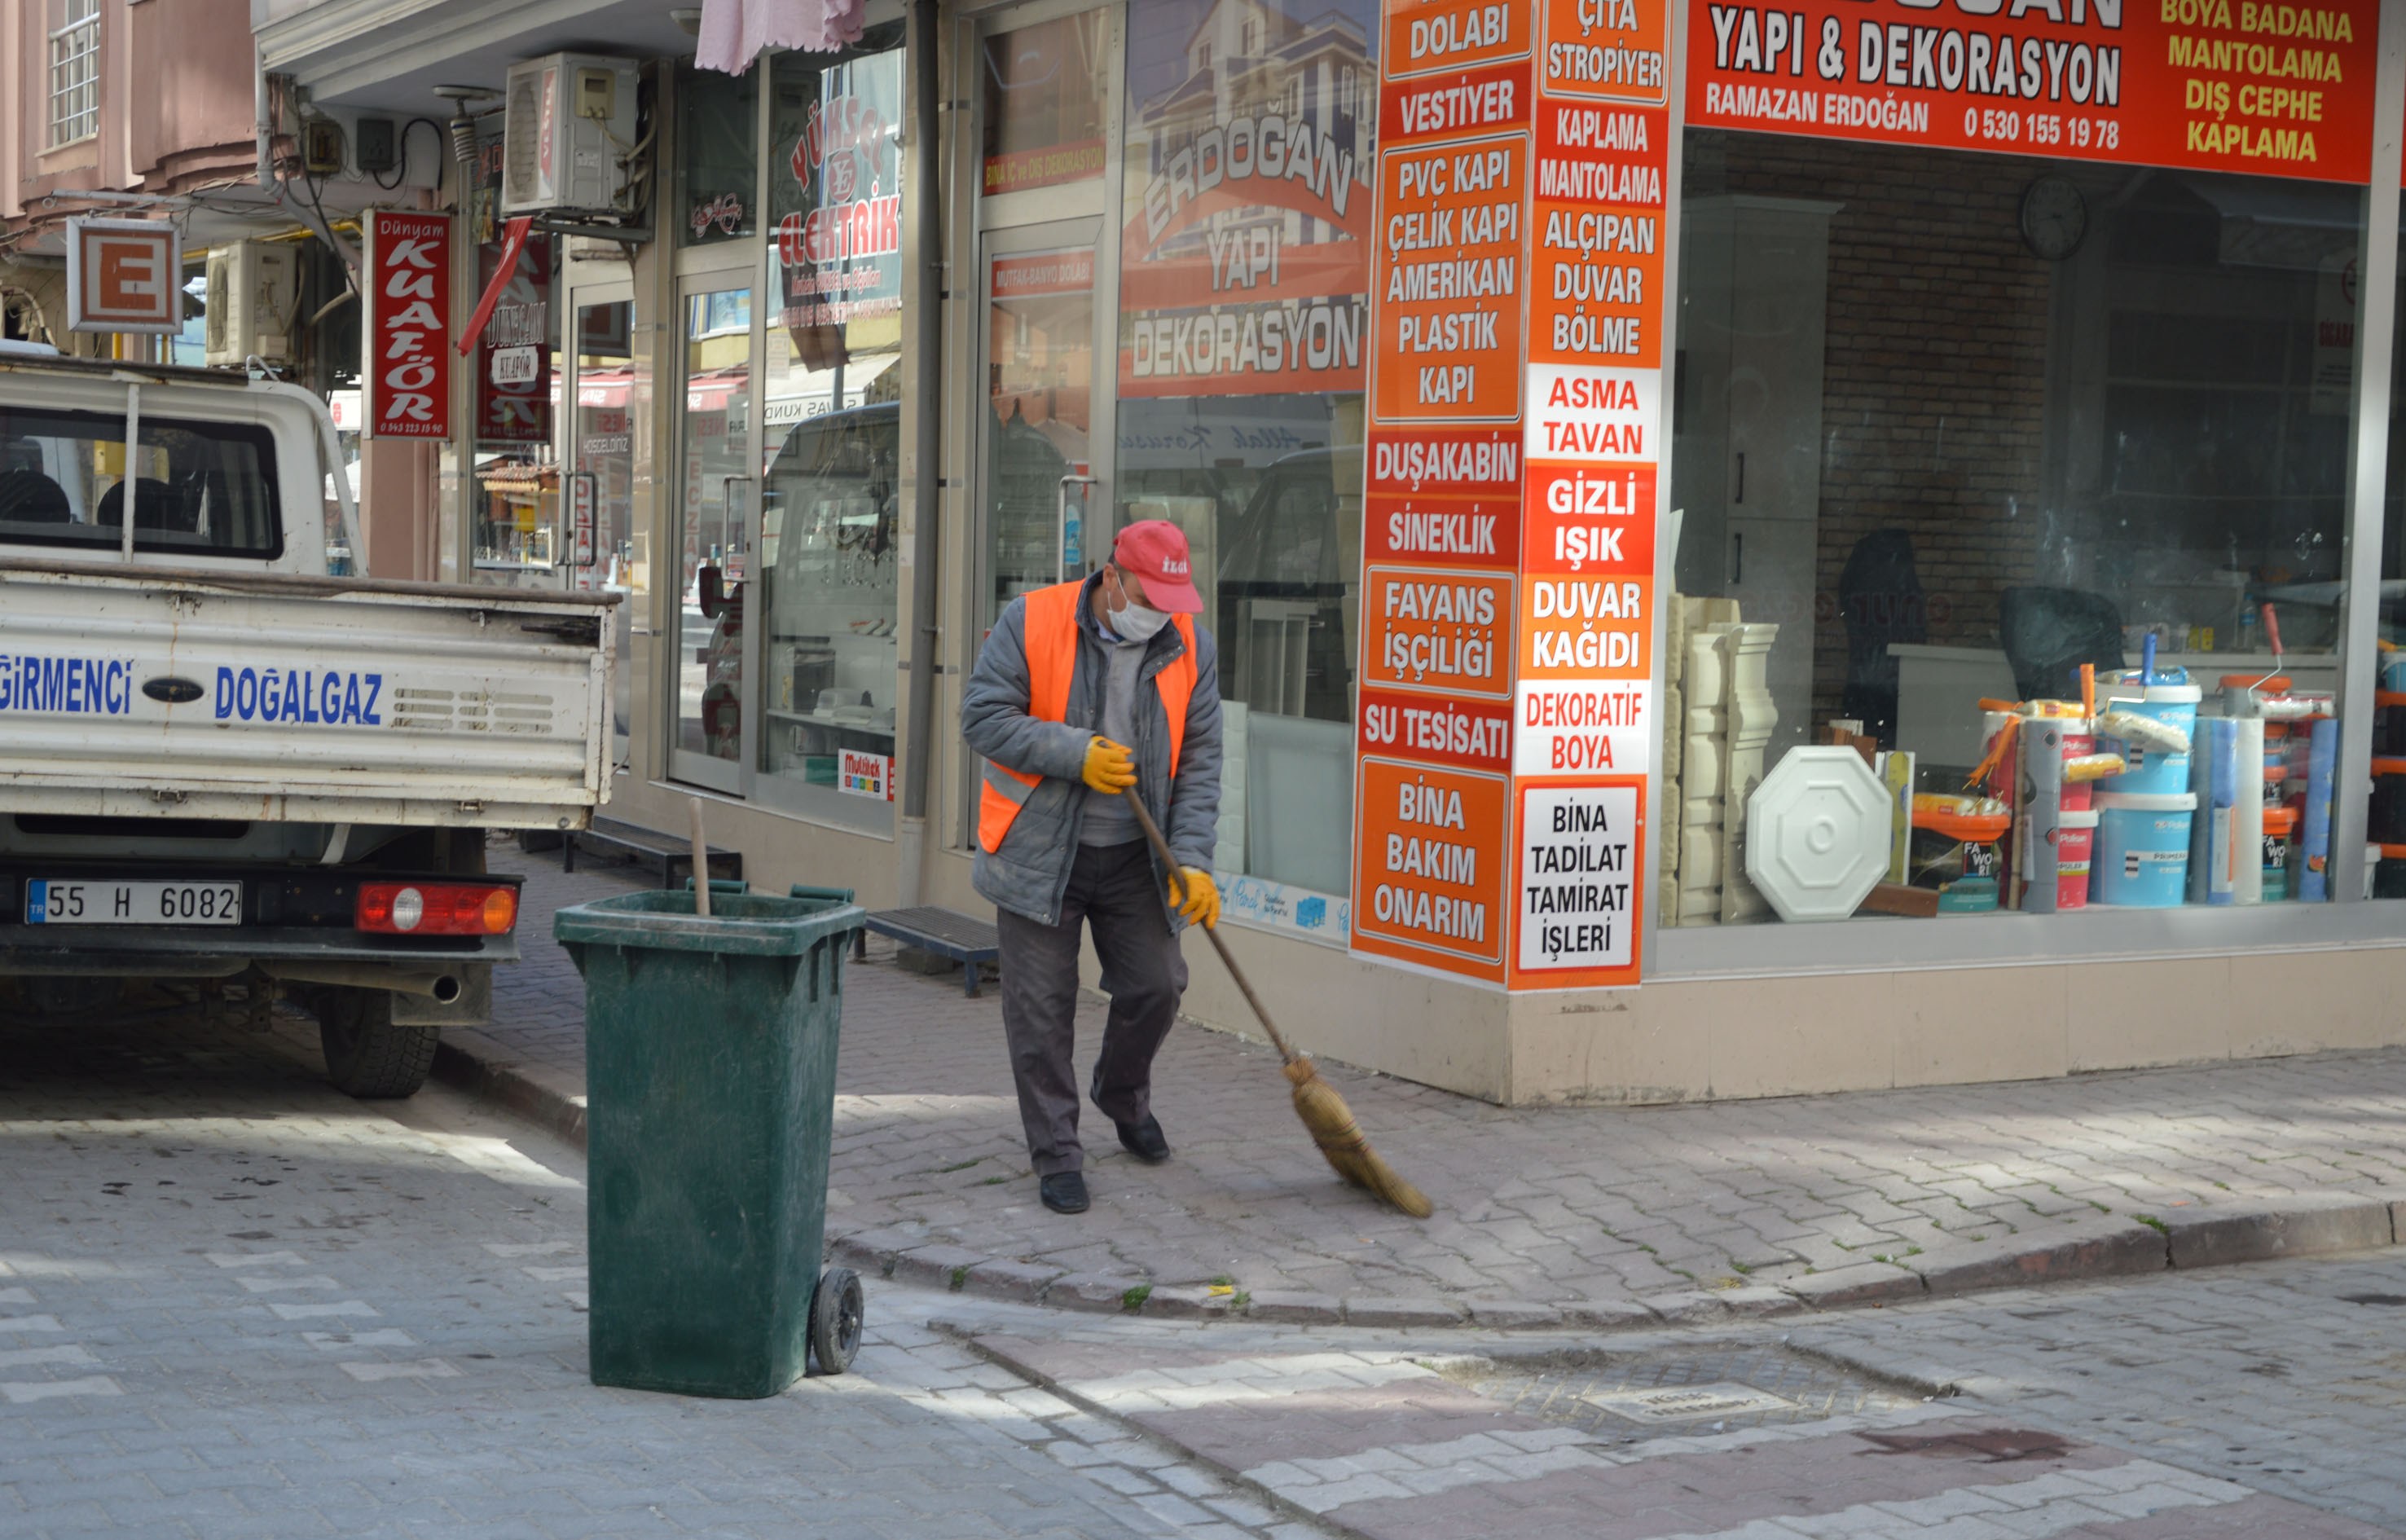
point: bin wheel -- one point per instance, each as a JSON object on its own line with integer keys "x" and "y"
{"x": 835, "y": 1320}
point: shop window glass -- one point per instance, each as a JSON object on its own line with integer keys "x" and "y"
{"x": 1242, "y": 319}
{"x": 718, "y": 135}
{"x": 1947, "y": 427}
{"x": 1043, "y": 90}
{"x": 1040, "y": 359}
{"x": 518, "y": 509}
{"x": 600, "y": 534}
{"x": 831, "y": 470}
{"x": 714, "y": 451}
{"x": 2385, "y": 824}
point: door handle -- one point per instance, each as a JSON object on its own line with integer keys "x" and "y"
{"x": 1738, "y": 566}
{"x": 727, "y": 505}
{"x": 1740, "y": 496}
{"x": 1061, "y": 523}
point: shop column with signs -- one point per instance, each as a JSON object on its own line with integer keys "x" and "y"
{"x": 1509, "y": 556}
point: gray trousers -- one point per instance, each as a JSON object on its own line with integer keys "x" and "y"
{"x": 1111, "y": 889}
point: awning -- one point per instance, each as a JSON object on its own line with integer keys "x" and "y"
{"x": 733, "y": 31}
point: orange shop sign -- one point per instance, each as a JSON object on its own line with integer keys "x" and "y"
{"x": 2273, "y": 90}
{"x": 1431, "y": 868}
{"x": 1614, "y": 51}
{"x": 1452, "y": 730}
{"x": 1424, "y": 36}
{"x": 1446, "y": 285}
{"x": 1438, "y": 630}
{"x": 124, "y": 276}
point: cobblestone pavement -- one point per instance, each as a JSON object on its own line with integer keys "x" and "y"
{"x": 1692, "y": 1209}
{"x": 233, "y": 1303}
{"x": 2259, "y": 1401}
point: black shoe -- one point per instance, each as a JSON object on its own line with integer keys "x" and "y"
{"x": 1063, "y": 1192}
{"x": 1145, "y": 1140}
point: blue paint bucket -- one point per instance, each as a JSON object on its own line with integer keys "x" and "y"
{"x": 2152, "y": 771}
{"x": 2141, "y": 856}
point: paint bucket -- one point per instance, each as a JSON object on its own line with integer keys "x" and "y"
{"x": 2141, "y": 856}
{"x": 2280, "y": 826}
{"x": 2389, "y": 873}
{"x": 2387, "y": 826}
{"x": 2243, "y": 694}
{"x": 1958, "y": 852}
{"x": 2075, "y": 838}
{"x": 2389, "y": 722}
{"x": 2153, "y": 771}
{"x": 2078, "y": 745}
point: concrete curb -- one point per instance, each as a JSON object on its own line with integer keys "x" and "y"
{"x": 2296, "y": 1225}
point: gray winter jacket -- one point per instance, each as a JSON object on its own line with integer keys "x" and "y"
{"x": 1030, "y": 871}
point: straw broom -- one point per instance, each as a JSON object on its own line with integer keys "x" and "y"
{"x": 1324, "y": 1113}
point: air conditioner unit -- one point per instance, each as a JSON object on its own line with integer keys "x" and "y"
{"x": 254, "y": 299}
{"x": 569, "y": 120}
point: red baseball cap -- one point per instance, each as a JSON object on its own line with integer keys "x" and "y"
{"x": 1153, "y": 552}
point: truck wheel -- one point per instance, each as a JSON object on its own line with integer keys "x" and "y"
{"x": 367, "y": 1053}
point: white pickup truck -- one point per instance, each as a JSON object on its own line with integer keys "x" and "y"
{"x": 225, "y": 770}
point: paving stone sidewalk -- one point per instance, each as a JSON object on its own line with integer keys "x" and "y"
{"x": 2233, "y": 1402}
{"x": 1586, "y": 1215}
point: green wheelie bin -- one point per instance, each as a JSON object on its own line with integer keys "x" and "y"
{"x": 709, "y": 1049}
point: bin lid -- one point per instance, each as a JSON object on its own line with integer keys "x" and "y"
{"x": 739, "y": 924}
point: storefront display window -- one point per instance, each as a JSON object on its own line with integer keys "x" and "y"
{"x": 718, "y": 133}
{"x": 1044, "y": 91}
{"x": 518, "y": 384}
{"x": 1950, "y": 427}
{"x": 718, "y": 493}
{"x": 830, "y": 470}
{"x": 600, "y": 522}
{"x": 2385, "y": 822}
{"x": 1243, "y": 260}
{"x": 1039, "y": 458}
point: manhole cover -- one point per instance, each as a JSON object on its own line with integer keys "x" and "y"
{"x": 1627, "y": 1397}
{"x": 1688, "y": 1403}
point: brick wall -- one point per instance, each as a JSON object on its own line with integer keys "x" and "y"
{"x": 1934, "y": 385}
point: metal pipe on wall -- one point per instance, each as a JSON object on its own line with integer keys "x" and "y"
{"x": 922, "y": 237}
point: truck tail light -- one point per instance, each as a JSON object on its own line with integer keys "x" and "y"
{"x": 436, "y": 909}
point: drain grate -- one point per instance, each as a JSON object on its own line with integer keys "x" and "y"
{"x": 1626, "y": 1397}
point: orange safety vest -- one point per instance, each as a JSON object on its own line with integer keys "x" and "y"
{"x": 1048, "y": 633}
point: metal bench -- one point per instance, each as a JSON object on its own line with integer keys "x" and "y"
{"x": 969, "y": 942}
{"x": 665, "y": 854}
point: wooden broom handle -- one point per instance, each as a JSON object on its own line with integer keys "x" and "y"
{"x": 1177, "y": 885}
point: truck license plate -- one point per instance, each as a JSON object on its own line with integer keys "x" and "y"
{"x": 104, "y": 901}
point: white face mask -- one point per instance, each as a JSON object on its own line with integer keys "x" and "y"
{"x": 1135, "y": 622}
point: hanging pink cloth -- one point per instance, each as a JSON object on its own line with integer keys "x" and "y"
{"x": 733, "y": 31}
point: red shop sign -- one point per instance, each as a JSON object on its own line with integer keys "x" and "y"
{"x": 407, "y": 366}
{"x": 2258, "y": 86}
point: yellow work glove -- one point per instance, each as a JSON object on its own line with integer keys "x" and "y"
{"x": 1202, "y": 901}
{"x": 1109, "y": 767}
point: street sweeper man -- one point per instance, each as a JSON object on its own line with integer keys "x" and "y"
{"x": 1083, "y": 693}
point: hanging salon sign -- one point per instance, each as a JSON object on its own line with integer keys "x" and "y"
{"x": 408, "y": 365}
